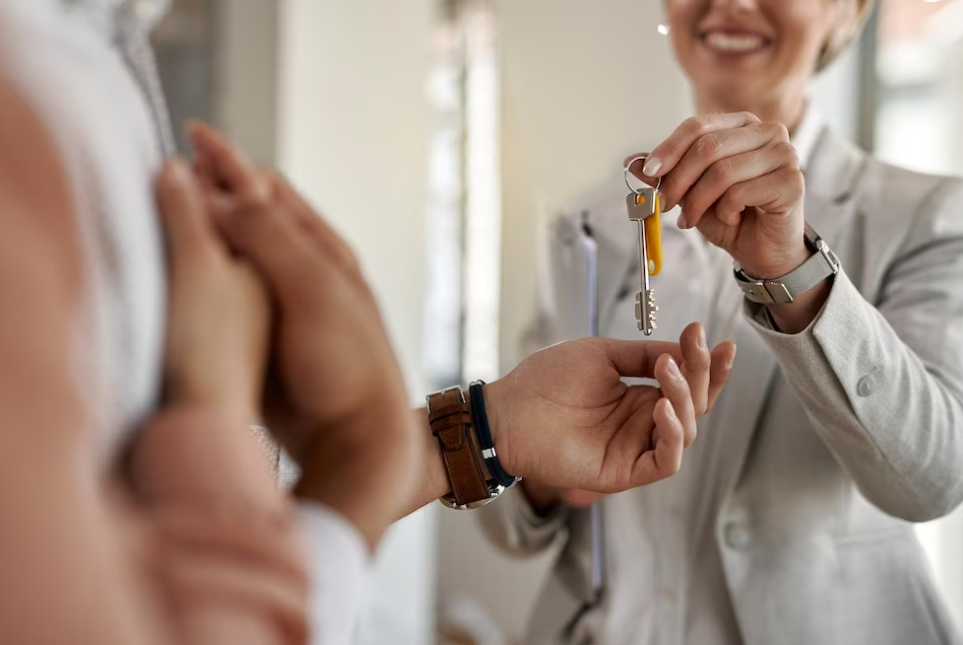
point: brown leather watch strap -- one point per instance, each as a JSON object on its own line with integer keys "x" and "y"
{"x": 449, "y": 416}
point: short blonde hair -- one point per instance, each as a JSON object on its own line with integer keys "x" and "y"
{"x": 845, "y": 35}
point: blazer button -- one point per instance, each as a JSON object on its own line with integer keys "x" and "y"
{"x": 866, "y": 386}
{"x": 737, "y": 536}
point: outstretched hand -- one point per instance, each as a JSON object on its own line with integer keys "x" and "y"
{"x": 566, "y": 419}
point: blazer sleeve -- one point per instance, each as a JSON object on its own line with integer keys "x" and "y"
{"x": 883, "y": 385}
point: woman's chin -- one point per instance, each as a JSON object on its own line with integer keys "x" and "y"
{"x": 733, "y": 94}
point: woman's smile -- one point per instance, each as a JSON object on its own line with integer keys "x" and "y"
{"x": 731, "y": 43}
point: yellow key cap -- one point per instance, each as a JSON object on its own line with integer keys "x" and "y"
{"x": 653, "y": 237}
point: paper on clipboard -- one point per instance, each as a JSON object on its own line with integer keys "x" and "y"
{"x": 574, "y": 267}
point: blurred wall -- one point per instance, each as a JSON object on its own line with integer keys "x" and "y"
{"x": 353, "y": 134}
{"x": 333, "y": 92}
{"x": 584, "y": 83}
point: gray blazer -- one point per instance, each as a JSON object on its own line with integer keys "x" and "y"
{"x": 827, "y": 445}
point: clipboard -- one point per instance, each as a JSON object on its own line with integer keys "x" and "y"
{"x": 577, "y": 305}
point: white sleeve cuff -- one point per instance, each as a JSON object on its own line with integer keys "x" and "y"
{"x": 340, "y": 569}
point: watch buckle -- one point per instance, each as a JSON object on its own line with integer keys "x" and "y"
{"x": 828, "y": 254}
{"x": 454, "y": 388}
{"x": 777, "y": 292}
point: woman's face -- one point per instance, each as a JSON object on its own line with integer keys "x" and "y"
{"x": 740, "y": 52}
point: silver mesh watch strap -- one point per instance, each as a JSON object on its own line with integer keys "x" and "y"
{"x": 813, "y": 271}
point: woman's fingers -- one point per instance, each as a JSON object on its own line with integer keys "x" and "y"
{"x": 713, "y": 148}
{"x": 775, "y": 193}
{"x": 635, "y": 166}
{"x": 669, "y": 153}
{"x": 723, "y": 158}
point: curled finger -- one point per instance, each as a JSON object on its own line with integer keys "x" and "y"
{"x": 675, "y": 388}
{"x": 664, "y": 458}
{"x": 696, "y": 362}
{"x": 723, "y": 358}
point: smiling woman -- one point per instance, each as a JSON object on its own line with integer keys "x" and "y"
{"x": 760, "y": 59}
{"x": 792, "y": 519}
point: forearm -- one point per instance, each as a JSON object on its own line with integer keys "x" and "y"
{"x": 434, "y": 483}
{"x": 891, "y": 419}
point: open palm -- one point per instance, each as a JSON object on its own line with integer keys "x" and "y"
{"x": 578, "y": 425}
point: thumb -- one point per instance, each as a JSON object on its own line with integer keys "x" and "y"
{"x": 183, "y": 213}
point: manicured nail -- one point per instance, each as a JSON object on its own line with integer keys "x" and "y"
{"x": 652, "y": 166}
{"x": 674, "y": 370}
{"x": 683, "y": 223}
{"x": 732, "y": 359}
{"x": 670, "y": 410}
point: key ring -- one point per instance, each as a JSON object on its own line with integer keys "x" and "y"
{"x": 626, "y": 172}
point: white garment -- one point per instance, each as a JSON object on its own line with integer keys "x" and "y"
{"x": 87, "y": 70}
{"x": 64, "y": 61}
{"x": 340, "y": 571}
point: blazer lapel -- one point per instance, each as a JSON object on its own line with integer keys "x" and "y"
{"x": 833, "y": 180}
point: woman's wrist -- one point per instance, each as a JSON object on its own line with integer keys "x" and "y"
{"x": 796, "y": 316}
{"x": 793, "y": 317}
{"x": 787, "y": 261}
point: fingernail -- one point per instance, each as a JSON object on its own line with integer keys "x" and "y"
{"x": 702, "y": 339}
{"x": 682, "y": 223}
{"x": 652, "y": 166}
{"x": 674, "y": 370}
{"x": 670, "y": 410}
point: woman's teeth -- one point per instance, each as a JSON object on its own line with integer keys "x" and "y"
{"x": 733, "y": 43}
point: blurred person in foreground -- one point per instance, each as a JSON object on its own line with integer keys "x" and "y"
{"x": 139, "y": 507}
{"x": 793, "y": 518}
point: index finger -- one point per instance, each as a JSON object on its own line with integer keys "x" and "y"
{"x": 637, "y": 358}
{"x": 669, "y": 153}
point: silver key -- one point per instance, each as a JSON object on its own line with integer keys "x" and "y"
{"x": 640, "y": 205}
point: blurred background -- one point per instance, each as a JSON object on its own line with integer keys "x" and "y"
{"x": 440, "y": 137}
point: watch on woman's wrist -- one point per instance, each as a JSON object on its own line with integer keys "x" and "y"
{"x": 823, "y": 264}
